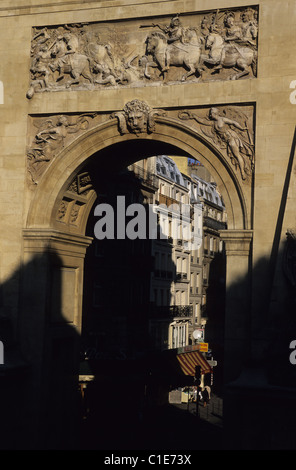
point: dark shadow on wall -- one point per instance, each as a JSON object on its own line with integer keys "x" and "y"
{"x": 260, "y": 401}
{"x": 41, "y": 402}
{"x": 124, "y": 327}
{"x": 215, "y": 318}
{"x": 39, "y": 394}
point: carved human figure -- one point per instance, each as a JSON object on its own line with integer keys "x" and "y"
{"x": 222, "y": 127}
{"x": 50, "y": 139}
{"x": 174, "y": 33}
{"x": 223, "y": 55}
{"x": 72, "y": 43}
{"x": 40, "y": 70}
{"x": 165, "y": 55}
{"x": 249, "y": 26}
{"x": 232, "y": 31}
{"x": 52, "y": 135}
{"x": 231, "y": 138}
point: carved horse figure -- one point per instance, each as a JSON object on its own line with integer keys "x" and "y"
{"x": 164, "y": 55}
{"x": 224, "y": 55}
{"x": 76, "y": 64}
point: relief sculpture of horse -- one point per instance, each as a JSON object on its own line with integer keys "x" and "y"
{"x": 76, "y": 65}
{"x": 178, "y": 54}
{"x": 225, "y": 55}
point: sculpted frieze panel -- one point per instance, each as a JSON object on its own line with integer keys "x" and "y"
{"x": 229, "y": 128}
{"x": 56, "y": 132}
{"x": 216, "y": 45}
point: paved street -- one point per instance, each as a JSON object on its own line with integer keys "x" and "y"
{"x": 171, "y": 427}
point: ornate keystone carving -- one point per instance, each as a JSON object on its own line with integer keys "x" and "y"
{"x": 137, "y": 117}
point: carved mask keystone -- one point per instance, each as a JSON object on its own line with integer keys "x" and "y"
{"x": 137, "y": 117}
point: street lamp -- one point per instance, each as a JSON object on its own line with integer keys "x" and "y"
{"x": 197, "y": 335}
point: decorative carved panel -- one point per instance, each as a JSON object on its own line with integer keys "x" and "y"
{"x": 215, "y": 45}
{"x": 76, "y": 197}
{"x": 49, "y": 135}
{"x": 229, "y": 128}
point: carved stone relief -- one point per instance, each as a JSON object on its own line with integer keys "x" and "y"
{"x": 74, "y": 200}
{"x": 230, "y": 128}
{"x": 217, "y": 45}
{"x": 137, "y": 117}
{"x": 53, "y": 134}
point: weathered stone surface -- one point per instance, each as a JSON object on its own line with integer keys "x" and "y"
{"x": 218, "y": 45}
{"x": 49, "y": 137}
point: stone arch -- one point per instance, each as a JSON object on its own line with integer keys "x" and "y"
{"x": 43, "y": 232}
{"x": 184, "y": 139}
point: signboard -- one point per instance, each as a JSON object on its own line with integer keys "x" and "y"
{"x": 203, "y": 347}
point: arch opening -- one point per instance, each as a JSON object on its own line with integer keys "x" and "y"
{"x": 170, "y": 139}
{"x": 62, "y": 206}
{"x": 140, "y": 301}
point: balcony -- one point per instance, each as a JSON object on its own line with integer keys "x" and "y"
{"x": 146, "y": 177}
{"x": 167, "y": 201}
{"x": 171, "y": 311}
{"x": 214, "y": 224}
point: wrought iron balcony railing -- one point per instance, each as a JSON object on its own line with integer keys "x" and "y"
{"x": 146, "y": 177}
{"x": 171, "y": 311}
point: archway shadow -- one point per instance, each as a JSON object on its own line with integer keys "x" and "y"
{"x": 39, "y": 378}
{"x": 41, "y": 402}
{"x": 40, "y": 397}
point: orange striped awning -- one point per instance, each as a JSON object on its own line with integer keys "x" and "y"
{"x": 188, "y": 361}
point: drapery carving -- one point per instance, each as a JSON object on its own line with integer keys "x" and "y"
{"x": 231, "y": 130}
{"x": 217, "y": 45}
{"x": 50, "y": 138}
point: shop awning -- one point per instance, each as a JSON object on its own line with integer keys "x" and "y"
{"x": 189, "y": 360}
